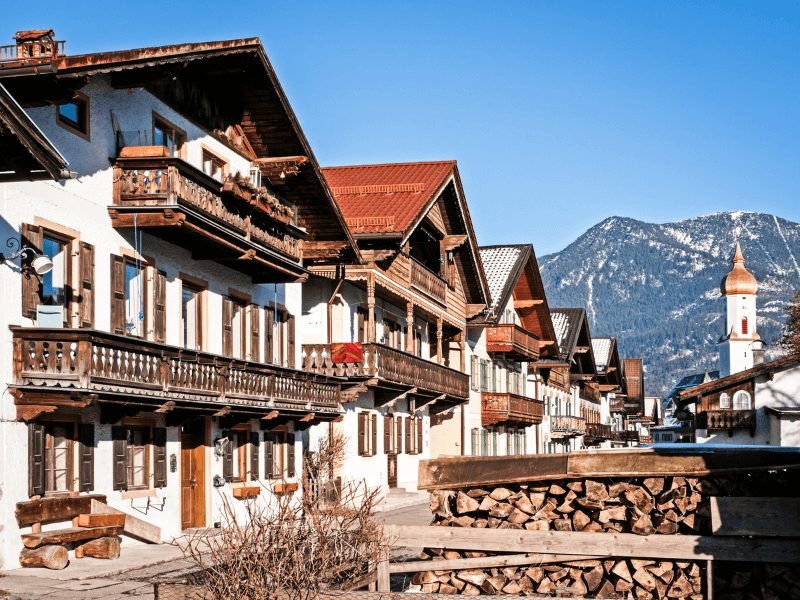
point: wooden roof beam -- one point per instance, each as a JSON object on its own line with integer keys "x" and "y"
{"x": 522, "y": 304}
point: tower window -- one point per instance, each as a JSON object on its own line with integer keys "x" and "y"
{"x": 744, "y": 326}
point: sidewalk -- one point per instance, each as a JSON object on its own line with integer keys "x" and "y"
{"x": 130, "y": 576}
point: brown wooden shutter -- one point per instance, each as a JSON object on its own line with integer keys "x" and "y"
{"x": 160, "y": 307}
{"x": 86, "y": 456}
{"x": 269, "y": 455}
{"x": 269, "y": 332}
{"x": 255, "y": 333}
{"x": 117, "y": 294}
{"x": 419, "y": 434}
{"x": 120, "y": 453}
{"x": 32, "y": 236}
{"x": 362, "y": 331}
{"x": 227, "y": 326}
{"x": 362, "y": 433}
{"x": 374, "y": 446}
{"x": 227, "y": 458}
{"x": 290, "y": 470}
{"x": 86, "y": 286}
{"x": 399, "y": 435}
{"x": 408, "y": 435}
{"x": 387, "y": 434}
{"x": 160, "y": 444}
{"x": 35, "y": 459}
{"x": 254, "y": 444}
{"x": 290, "y": 335}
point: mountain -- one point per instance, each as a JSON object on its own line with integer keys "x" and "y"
{"x": 655, "y": 287}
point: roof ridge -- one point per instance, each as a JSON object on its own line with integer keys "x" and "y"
{"x": 210, "y": 46}
{"x": 390, "y": 164}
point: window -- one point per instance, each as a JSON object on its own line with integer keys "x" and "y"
{"x": 234, "y": 327}
{"x": 191, "y": 317}
{"x": 744, "y": 326}
{"x": 168, "y": 135}
{"x": 484, "y": 442}
{"x": 140, "y": 456}
{"x": 279, "y": 454}
{"x": 138, "y": 459}
{"x": 367, "y": 433}
{"x": 54, "y": 282}
{"x": 474, "y": 381}
{"x": 475, "y": 438}
{"x": 390, "y": 434}
{"x": 213, "y": 165}
{"x": 724, "y": 400}
{"x": 74, "y": 115}
{"x": 484, "y": 375}
{"x": 413, "y": 435}
{"x": 392, "y": 334}
{"x": 134, "y": 298}
{"x": 58, "y": 456}
{"x": 741, "y": 400}
{"x": 238, "y": 441}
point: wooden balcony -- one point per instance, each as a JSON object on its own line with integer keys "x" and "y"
{"x": 387, "y": 369}
{"x": 645, "y": 439}
{"x": 726, "y": 420}
{"x": 513, "y": 341}
{"x": 598, "y": 432}
{"x": 45, "y": 50}
{"x": 566, "y": 426}
{"x": 625, "y": 437}
{"x": 80, "y": 363}
{"x": 170, "y": 198}
{"x": 616, "y": 405}
{"x": 504, "y": 408}
{"x": 428, "y": 282}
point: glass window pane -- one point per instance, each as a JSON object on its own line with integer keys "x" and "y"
{"x": 134, "y": 300}
{"x": 53, "y": 281}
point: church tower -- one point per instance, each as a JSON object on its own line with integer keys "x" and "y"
{"x": 739, "y": 289}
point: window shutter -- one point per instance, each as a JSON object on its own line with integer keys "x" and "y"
{"x": 160, "y": 307}
{"x": 290, "y": 471}
{"x": 473, "y": 380}
{"x": 86, "y": 286}
{"x": 290, "y": 340}
{"x": 160, "y": 444}
{"x": 254, "y": 444}
{"x": 255, "y": 333}
{"x": 227, "y": 458}
{"x": 419, "y": 435}
{"x": 269, "y": 331}
{"x": 35, "y": 459}
{"x": 227, "y": 326}
{"x": 408, "y": 435}
{"x": 86, "y": 460}
{"x": 387, "y": 434}
{"x": 360, "y": 314}
{"x": 269, "y": 455}
{"x": 120, "y": 439}
{"x": 362, "y": 433}
{"x": 117, "y": 294}
{"x": 399, "y": 435}
{"x": 31, "y": 236}
{"x": 374, "y": 446}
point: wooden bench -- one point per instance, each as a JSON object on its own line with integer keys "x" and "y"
{"x": 92, "y": 532}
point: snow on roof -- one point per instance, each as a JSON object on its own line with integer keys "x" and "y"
{"x": 602, "y": 352}
{"x": 561, "y": 325}
{"x": 498, "y": 263}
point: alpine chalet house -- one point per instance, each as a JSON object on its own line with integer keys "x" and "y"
{"x": 572, "y": 396}
{"x": 395, "y": 326}
{"x": 627, "y": 426}
{"x": 609, "y": 382}
{"x": 156, "y": 361}
{"x": 752, "y": 402}
{"x": 506, "y": 408}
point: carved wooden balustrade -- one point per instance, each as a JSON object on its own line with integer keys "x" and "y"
{"x": 428, "y": 282}
{"x": 497, "y": 407}
{"x": 172, "y": 184}
{"x": 726, "y": 419}
{"x": 616, "y": 405}
{"x": 44, "y": 50}
{"x": 598, "y": 431}
{"x": 514, "y": 341}
{"x": 625, "y": 436}
{"x": 389, "y": 365}
{"x": 104, "y": 363}
{"x": 566, "y": 425}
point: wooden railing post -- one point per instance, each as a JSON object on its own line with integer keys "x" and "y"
{"x": 382, "y": 570}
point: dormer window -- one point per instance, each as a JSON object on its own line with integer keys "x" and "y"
{"x": 74, "y": 115}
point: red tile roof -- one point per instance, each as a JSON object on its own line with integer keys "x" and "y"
{"x": 385, "y": 198}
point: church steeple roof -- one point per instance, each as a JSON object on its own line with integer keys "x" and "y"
{"x": 739, "y": 280}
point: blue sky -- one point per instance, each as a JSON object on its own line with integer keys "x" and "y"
{"x": 559, "y": 113}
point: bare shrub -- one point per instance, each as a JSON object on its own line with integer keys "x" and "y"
{"x": 293, "y": 546}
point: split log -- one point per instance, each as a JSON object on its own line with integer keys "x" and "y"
{"x": 48, "y": 557}
{"x": 105, "y": 547}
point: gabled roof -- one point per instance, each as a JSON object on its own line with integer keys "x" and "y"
{"x": 690, "y": 381}
{"x": 386, "y": 198}
{"x": 217, "y": 84}
{"x": 781, "y": 364}
{"x": 634, "y": 379}
{"x": 602, "y": 352}
{"x": 25, "y": 152}
{"x": 574, "y": 339}
{"x": 513, "y": 272}
{"x": 389, "y": 201}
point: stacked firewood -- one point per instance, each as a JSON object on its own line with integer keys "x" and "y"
{"x": 612, "y": 578}
{"x": 652, "y": 505}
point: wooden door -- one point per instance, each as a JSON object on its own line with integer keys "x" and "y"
{"x": 193, "y": 497}
{"x": 392, "y": 469}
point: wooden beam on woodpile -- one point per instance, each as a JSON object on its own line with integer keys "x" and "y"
{"x": 500, "y": 560}
{"x": 755, "y": 516}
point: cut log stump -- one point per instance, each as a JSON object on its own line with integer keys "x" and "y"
{"x": 105, "y": 547}
{"x": 48, "y": 557}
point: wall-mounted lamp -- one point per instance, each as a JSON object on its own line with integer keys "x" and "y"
{"x": 39, "y": 263}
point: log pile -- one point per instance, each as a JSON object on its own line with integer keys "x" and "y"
{"x": 593, "y": 578}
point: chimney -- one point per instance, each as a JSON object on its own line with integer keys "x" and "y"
{"x": 35, "y": 45}
{"x": 759, "y": 349}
